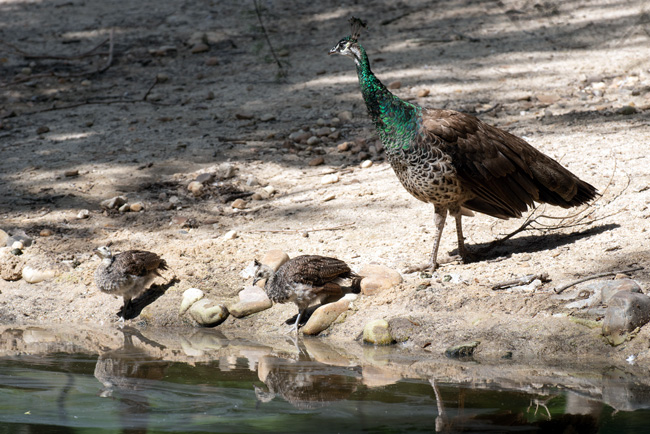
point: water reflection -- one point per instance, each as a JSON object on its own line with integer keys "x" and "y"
{"x": 125, "y": 373}
{"x": 150, "y": 380}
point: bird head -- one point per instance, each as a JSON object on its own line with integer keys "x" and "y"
{"x": 103, "y": 252}
{"x": 261, "y": 271}
{"x": 349, "y": 46}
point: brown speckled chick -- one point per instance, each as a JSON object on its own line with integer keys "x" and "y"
{"x": 305, "y": 279}
{"x": 127, "y": 274}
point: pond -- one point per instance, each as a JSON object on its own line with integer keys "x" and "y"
{"x": 131, "y": 380}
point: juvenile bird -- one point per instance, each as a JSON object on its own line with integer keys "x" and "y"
{"x": 127, "y": 274}
{"x": 457, "y": 162}
{"x": 305, "y": 279}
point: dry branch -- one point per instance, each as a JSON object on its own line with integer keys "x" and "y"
{"x": 595, "y": 276}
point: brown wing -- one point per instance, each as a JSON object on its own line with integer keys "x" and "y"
{"x": 139, "y": 262}
{"x": 315, "y": 270}
{"x": 504, "y": 172}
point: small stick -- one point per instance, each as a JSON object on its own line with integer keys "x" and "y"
{"x": 522, "y": 280}
{"x": 595, "y": 276}
{"x": 282, "y": 72}
{"x": 332, "y": 228}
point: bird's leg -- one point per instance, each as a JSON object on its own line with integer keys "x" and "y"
{"x": 295, "y": 325}
{"x": 462, "y": 250}
{"x": 439, "y": 223}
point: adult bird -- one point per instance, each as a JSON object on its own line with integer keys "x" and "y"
{"x": 127, "y": 274}
{"x": 457, "y": 162}
{"x": 306, "y": 279}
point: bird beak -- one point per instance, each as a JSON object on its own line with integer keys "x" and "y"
{"x": 257, "y": 279}
{"x": 333, "y": 51}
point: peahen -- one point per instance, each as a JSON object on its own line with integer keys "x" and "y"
{"x": 305, "y": 279}
{"x": 127, "y": 274}
{"x": 457, "y": 162}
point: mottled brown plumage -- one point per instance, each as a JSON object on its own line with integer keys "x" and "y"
{"x": 305, "y": 279}
{"x": 128, "y": 273}
{"x": 457, "y": 162}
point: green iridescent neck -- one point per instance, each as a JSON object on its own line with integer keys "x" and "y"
{"x": 397, "y": 121}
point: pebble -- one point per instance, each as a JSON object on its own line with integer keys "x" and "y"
{"x": 267, "y": 117}
{"x": 71, "y": 173}
{"x": 325, "y": 315}
{"x": 313, "y": 140}
{"x": 423, "y": 92}
{"x": 394, "y": 84}
{"x": 179, "y": 220}
{"x": 212, "y": 61}
{"x": 238, "y": 203}
{"x": 11, "y": 265}
{"x": 44, "y": 233}
{"x": 627, "y": 110}
{"x": 162, "y": 77}
{"x": 275, "y": 258}
{"x": 190, "y": 296}
{"x": 114, "y": 202}
{"x": 225, "y": 171}
{"x": 125, "y": 208}
{"x": 342, "y": 147}
{"x": 136, "y": 207}
{"x": 465, "y": 349}
{"x": 3, "y": 238}
{"x": 243, "y": 116}
{"x": 317, "y": 161}
{"x": 332, "y": 178}
{"x": 204, "y": 178}
{"x": 196, "y": 188}
{"x": 366, "y": 164}
{"x": 376, "y": 332}
{"x": 83, "y": 214}
{"x": 43, "y": 129}
{"x": 401, "y": 329}
{"x": 208, "y": 313}
{"x": 199, "y": 48}
{"x": 335, "y": 135}
{"x": 345, "y": 116}
{"x": 626, "y": 312}
{"x": 252, "y": 299}
{"x": 19, "y": 236}
{"x": 378, "y": 278}
{"x": 163, "y": 50}
{"x": 18, "y": 245}
{"x": 34, "y": 275}
{"x": 251, "y": 181}
{"x": 299, "y": 136}
{"x": 321, "y": 122}
{"x": 324, "y": 131}
{"x": 269, "y": 189}
{"x": 230, "y": 235}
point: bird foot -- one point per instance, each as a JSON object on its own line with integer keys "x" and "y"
{"x": 430, "y": 267}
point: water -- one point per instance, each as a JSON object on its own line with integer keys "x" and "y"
{"x": 62, "y": 381}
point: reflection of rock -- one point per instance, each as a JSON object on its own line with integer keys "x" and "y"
{"x": 624, "y": 392}
{"x": 377, "y": 376}
{"x": 303, "y": 385}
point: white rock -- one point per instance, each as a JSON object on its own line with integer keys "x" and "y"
{"x": 35, "y": 275}
{"x": 190, "y": 297}
{"x": 269, "y": 189}
{"x": 83, "y": 214}
{"x": 230, "y": 235}
{"x": 18, "y": 245}
{"x": 332, "y": 178}
{"x": 366, "y": 163}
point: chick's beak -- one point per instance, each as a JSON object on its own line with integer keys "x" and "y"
{"x": 333, "y": 51}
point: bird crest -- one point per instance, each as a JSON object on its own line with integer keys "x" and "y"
{"x": 355, "y": 27}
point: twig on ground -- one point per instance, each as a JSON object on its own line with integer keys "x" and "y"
{"x": 562, "y": 288}
{"x": 522, "y": 280}
{"x": 282, "y": 72}
{"x": 289, "y": 231}
{"x": 88, "y": 53}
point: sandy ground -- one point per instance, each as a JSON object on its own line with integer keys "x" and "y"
{"x": 572, "y": 78}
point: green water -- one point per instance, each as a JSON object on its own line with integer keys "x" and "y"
{"x": 247, "y": 387}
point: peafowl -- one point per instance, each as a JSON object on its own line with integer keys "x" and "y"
{"x": 305, "y": 279}
{"x": 457, "y": 162}
{"x": 127, "y": 274}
